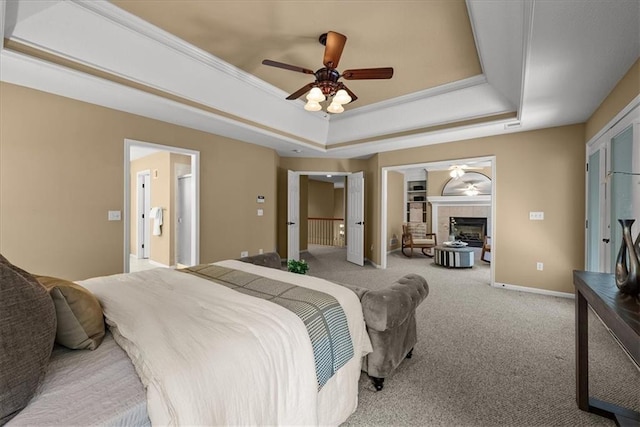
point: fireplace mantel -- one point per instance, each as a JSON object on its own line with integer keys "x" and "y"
{"x": 460, "y": 200}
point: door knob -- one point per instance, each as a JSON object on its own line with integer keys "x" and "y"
{"x": 605, "y": 240}
{"x": 360, "y": 223}
{"x": 290, "y": 223}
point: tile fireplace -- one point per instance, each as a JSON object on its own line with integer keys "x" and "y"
{"x": 469, "y": 230}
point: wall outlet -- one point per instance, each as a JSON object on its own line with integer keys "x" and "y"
{"x": 260, "y": 251}
{"x": 539, "y": 266}
{"x": 244, "y": 254}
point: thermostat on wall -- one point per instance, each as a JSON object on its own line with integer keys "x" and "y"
{"x": 260, "y": 199}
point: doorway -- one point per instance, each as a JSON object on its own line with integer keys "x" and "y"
{"x": 613, "y": 167}
{"x": 442, "y": 167}
{"x": 349, "y": 227}
{"x": 153, "y": 192}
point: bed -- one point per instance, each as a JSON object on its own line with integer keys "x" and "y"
{"x": 184, "y": 350}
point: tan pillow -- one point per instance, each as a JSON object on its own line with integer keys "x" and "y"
{"x": 80, "y": 321}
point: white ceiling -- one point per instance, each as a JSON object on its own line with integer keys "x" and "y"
{"x": 544, "y": 64}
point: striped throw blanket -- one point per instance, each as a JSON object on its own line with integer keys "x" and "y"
{"x": 320, "y": 312}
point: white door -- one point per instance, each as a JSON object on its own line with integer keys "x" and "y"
{"x": 293, "y": 216}
{"x": 612, "y": 191}
{"x": 183, "y": 217}
{"x": 355, "y": 218}
{"x": 143, "y": 189}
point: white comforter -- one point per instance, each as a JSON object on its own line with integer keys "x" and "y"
{"x": 209, "y": 355}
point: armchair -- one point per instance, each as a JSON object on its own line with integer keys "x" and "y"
{"x": 415, "y": 236}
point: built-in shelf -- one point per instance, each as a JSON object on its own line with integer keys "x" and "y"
{"x": 416, "y": 197}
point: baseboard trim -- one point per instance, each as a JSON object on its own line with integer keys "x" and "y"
{"x": 367, "y": 260}
{"x": 158, "y": 264}
{"x": 534, "y": 290}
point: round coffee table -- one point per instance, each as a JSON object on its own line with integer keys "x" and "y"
{"x": 452, "y": 257}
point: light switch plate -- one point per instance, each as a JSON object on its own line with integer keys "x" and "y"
{"x": 260, "y": 212}
{"x": 114, "y": 216}
{"x": 536, "y": 216}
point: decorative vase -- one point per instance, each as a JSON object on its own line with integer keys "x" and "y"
{"x": 628, "y": 261}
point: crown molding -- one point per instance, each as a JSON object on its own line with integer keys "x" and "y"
{"x": 444, "y": 89}
{"x": 109, "y": 11}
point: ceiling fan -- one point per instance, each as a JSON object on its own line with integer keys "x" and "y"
{"x": 456, "y": 171}
{"x": 326, "y": 83}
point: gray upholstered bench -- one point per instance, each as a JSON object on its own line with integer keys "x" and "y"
{"x": 390, "y": 316}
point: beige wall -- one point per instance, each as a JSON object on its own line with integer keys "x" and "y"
{"x": 551, "y": 179}
{"x": 627, "y": 88}
{"x": 395, "y": 208}
{"x": 338, "y": 202}
{"x": 62, "y": 169}
{"x": 320, "y": 199}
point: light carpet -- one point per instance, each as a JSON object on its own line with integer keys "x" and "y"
{"x": 485, "y": 356}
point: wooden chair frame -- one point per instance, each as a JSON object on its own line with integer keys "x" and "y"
{"x": 408, "y": 242}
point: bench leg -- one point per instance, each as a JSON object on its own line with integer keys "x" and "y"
{"x": 378, "y": 383}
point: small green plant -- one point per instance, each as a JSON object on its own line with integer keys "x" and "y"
{"x": 299, "y": 267}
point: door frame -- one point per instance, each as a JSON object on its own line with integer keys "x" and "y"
{"x": 142, "y": 226}
{"x": 427, "y": 165}
{"x": 601, "y": 141}
{"x": 319, "y": 173}
{"x": 195, "y": 187}
{"x": 176, "y": 223}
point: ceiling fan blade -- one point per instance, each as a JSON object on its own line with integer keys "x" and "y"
{"x": 351, "y": 94}
{"x": 297, "y": 94}
{"x": 368, "y": 73}
{"x": 333, "y": 50}
{"x": 286, "y": 66}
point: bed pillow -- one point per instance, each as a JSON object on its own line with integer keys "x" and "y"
{"x": 80, "y": 320}
{"x": 27, "y": 333}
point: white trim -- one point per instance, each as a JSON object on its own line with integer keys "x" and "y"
{"x": 460, "y": 200}
{"x": 195, "y": 215}
{"x": 614, "y": 121}
{"x": 443, "y": 89}
{"x": 159, "y": 264}
{"x": 533, "y": 290}
{"x": 527, "y": 37}
{"x": 135, "y": 24}
{"x": 367, "y": 260}
{"x": 601, "y": 141}
{"x": 3, "y": 18}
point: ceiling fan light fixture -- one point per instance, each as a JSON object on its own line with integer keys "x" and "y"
{"x": 342, "y": 97}
{"x": 456, "y": 172}
{"x": 315, "y": 95}
{"x": 335, "y": 108}
{"x": 312, "y": 106}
